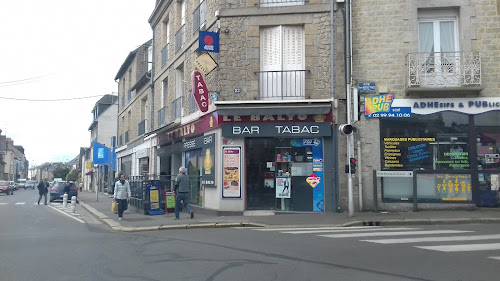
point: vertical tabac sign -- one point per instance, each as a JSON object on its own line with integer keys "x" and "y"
{"x": 200, "y": 91}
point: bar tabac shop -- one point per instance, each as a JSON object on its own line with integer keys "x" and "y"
{"x": 453, "y": 145}
{"x": 284, "y": 159}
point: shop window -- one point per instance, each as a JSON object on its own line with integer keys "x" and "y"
{"x": 437, "y": 144}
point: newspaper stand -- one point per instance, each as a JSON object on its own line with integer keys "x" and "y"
{"x": 170, "y": 197}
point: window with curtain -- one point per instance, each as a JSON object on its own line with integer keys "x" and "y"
{"x": 438, "y": 46}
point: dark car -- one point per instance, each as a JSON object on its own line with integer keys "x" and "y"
{"x": 30, "y": 184}
{"x": 5, "y": 187}
{"x": 57, "y": 191}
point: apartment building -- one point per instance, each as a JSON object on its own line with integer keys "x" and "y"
{"x": 427, "y": 75}
{"x": 245, "y": 99}
{"x": 135, "y": 111}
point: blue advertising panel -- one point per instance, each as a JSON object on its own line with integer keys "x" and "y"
{"x": 100, "y": 153}
{"x": 209, "y": 41}
{"x": 154, "y": 198}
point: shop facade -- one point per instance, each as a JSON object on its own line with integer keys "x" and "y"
{"x": 453, "y": 146}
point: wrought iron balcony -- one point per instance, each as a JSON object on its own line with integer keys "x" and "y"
{"x": 177, "y": 108}
{"x": 162, "y": 116}
{"x": 287, "y": 84}
{"x": 164, "y": 55}
{"x": 444, "y": 70}
{"x": 141, "y": 128}
{"x": 179, "y": 38}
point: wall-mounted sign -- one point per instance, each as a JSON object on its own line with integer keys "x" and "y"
{"x": 382, "y": 106}
{"x": 276, "y": 129}
{"x": 209, "y": 41}
{"x": 367, "y": 87}
{"x": 395, "y": 174}
{"x": 231, "y": 166}
{"x": 464, "y": 105}
{"x": 202, "y": 124}
{"x": 313, "y": 180}
{"x": 205, "y": 63}
{"x": 200, "y": 91}
{"x": 275, "y": 118}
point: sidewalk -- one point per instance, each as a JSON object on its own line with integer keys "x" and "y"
{"x": 132, "y": 221}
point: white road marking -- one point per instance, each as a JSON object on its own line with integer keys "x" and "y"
{"x": 495, "y": 258}
{"x": 365, "y": 234}
{"x": 20, "y": 203}
{"x": 314, "y": 228}
{"x": 347, "y": 229}
{"x": 434, "y": 239}
{"x": 4, "y": 203}
{"x": 463, "y": 248}
{"x": 66, "y": 214}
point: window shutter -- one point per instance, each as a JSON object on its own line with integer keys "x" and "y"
{"x": 271, "y": 48}
{"x": 293, "y": 48}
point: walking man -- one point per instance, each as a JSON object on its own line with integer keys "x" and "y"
{"x": 182, "y": 190}
{"x": 43, "y": 188}
{"x": 121, "y": 194}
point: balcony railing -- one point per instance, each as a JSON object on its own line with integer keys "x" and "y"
{"x": 199, "y": 16}
{"x": 164, "y": 55}
{"x": 162, "y": 116}
{"x": 141, "y": 128}
{"x": 127, "y": 139}
{"x": 444, "y": 69}
{"x": 179, "y": 38}
{"x": 177, "y": 108}
{"x": 287, "y": 84}
{"x": 278, "y": 3}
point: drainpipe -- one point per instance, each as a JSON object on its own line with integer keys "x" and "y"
{"x": 335, "y": 169}
{"x": 152, "y": 157}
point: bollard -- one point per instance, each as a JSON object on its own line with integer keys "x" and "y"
{"x": 65, "y": 200}
{"x": 73, "y": 204}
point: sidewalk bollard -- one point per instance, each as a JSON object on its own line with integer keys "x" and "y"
{"x": 65, "y": 200}
{"x": 73, "y": 204}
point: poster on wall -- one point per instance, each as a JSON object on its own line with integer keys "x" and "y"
{"x": 231, "y": 165}
{"x": 283, "y": 186}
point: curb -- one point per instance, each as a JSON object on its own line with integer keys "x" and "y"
{"x": 118, "y": 227}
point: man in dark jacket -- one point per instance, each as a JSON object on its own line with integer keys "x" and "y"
{"x": 182, "y": 189}
{"x": 43, "y": 188}
{"x": 67, "y": 187}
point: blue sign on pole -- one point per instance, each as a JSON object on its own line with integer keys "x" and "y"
{"x": 100, "y": 154}
{"x": 367, "y": 87}
{"x": 209, "y": 41}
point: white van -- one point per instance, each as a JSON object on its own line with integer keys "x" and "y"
{"x": 21, "y": 183}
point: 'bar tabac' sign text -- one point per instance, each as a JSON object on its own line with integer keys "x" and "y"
{"x": 200, "y": 91}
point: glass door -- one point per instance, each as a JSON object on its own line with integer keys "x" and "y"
{"x": 488, "y": 166}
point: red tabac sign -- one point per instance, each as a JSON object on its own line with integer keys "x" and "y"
{"x": 200, "y": 91}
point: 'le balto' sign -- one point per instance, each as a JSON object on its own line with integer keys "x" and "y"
{"x": 200, "y": 91}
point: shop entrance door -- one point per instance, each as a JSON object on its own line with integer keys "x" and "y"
{"x": 488, "y": 167}
{"x": 261, "y": 194}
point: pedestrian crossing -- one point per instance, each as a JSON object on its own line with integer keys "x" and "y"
{"x": 423, "y": 239}
{"x": 54, "y": 205}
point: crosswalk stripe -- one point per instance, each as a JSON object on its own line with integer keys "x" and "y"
{"x": 4, "y": 203}
{"x": 495, "y": 258}
{"x": 397, "y": 233}
{"x": 345, "y": 229}
{"x": 315, "y": 228}
{"x": 20, "y": 203}
{"x": 434, "y": 239}
{"x": 463, "y": 248}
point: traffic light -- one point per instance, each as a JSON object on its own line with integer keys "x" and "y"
{"x": 352, "y": 164}
{"x": 346, "y": 129}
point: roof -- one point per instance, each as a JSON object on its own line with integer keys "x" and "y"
{"x": 129, "y": 60}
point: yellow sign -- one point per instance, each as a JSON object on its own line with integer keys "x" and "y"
{"x": 313, "y": 180}
{"x": 204, "y": 63}
{"x": 88, "y": 165}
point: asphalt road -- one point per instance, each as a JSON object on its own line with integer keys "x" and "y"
{"x": 50, "y": 243}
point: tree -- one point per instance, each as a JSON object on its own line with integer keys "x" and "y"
{"x": 72, "y": 176}
{"x": 61, "y": 172}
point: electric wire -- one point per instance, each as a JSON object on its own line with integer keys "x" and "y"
{"x": 67, "y": 99}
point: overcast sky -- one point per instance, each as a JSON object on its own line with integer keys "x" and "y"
{"x": 62, "y": 49}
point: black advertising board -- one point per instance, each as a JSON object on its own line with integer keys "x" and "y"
{"x": 402, "y": 153}
{"x": 298, "y": 129}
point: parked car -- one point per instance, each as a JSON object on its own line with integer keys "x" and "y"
{"x": 13, "y": 185}
{"x": 57, "y": 188}
{"x": 5, "y": 187}
{"x": 21, "y": 183}
{"x": 30, "y": 184}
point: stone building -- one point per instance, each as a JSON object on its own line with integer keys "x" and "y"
{"x": 246, "y": 98}
{"x": 434, "y": 105}
{"x": 135, "y": 111}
